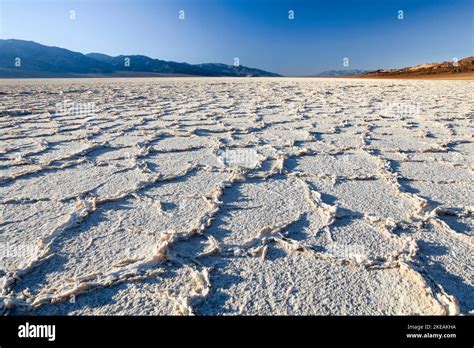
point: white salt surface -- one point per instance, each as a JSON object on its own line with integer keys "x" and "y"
{"x": 236, "y": 196}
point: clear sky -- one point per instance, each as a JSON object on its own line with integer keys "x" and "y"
{"x": 258, "y": 32}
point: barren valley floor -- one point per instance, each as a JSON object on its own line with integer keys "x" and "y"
{"x": 236, "y": 196}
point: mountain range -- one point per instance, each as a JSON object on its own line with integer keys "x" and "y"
{"x": 463, "y": 68}
{"x": 337, "y": 73}
{"x": 20, "y": 58}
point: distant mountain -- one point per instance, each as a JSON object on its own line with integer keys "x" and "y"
{"x": 337, "y": 73}
{"x": 454, "y": 68}
{"x": 100, "y": 57}
{"x": 36, "y": 57}
{"x": 36, "y": 60}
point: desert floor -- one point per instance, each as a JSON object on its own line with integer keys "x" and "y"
{"x": 236, "y": 196}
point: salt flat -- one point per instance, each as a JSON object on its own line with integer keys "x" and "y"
{"x": 236, "y": 196}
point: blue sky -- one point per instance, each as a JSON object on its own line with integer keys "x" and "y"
{"x": 258, "y": 32}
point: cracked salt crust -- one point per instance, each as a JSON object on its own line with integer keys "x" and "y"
{"x": 236, "y": 196}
